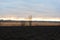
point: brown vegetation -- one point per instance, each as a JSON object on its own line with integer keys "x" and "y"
{"x": 29, "y": 23}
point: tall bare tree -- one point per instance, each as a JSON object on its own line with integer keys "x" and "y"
{"x": 30, "y": 20}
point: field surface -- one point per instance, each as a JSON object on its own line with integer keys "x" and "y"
{"x": 30, "y": 33}
{"x": 29, "y": 23}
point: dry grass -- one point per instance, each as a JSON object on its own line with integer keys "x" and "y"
{"x": 28, "y": 24}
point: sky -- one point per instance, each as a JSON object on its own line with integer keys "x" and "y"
{"x": 22, "y": 8}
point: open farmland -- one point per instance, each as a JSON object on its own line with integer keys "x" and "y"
{"x": 29, "y": 23}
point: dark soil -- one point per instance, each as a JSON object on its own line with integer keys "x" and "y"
{"x": 29, "y": 33}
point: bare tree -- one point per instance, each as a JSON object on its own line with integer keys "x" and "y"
{"x": 30, "y": 20}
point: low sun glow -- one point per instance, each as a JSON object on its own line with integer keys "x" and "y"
{"x": 27, "y": 19}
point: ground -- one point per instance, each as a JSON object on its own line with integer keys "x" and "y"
{"x": 29, "y": 33}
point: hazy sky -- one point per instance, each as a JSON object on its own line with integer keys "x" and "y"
{"x": 30, "y": 7}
